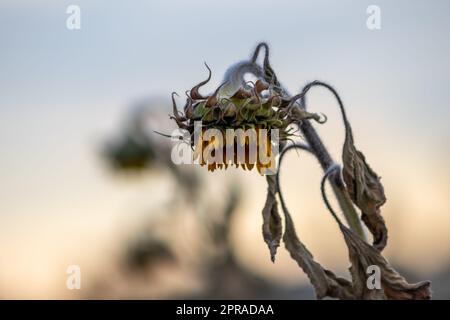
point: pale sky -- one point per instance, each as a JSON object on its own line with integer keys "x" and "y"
{"x": 63, "y": 92}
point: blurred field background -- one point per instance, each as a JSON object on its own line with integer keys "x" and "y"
{"x": 65, "y": 96}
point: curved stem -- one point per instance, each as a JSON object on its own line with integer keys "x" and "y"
{"x": 327, "y": 174}
{"x": 336, "y": 182}
{"x": 316, "y": 145}
{"x": 327, "y": 162}
{"x": 316, "y": 83}
{"x": 283, "y": 152}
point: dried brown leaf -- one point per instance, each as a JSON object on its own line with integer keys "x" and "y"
{"x": 394, "y": 286}
{"x": 271, "y": 228}
{"x": 365, "y": 190}
{"x": 362, "y": 255}
{"x": 325, "y": 282}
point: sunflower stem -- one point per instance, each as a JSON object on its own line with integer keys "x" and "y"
{"x": 316, "y": 145}
{"x": 325, "y": 160}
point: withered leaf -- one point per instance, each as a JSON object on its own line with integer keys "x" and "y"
{"x": 394, "y": 286}
{"x": 363, "y": 255}
{"x": 325, "y": 282}
{"x": 271, "y": 228}
{"x": 365, "y": 189}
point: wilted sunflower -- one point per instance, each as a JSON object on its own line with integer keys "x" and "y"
{"x": 266, "y": 105}
{"x": 248, "y": 105}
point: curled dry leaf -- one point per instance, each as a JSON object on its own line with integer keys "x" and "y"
{"x": 325, "y": 282}
{"x": 365, "y": 190}
{"x": 362, "y": 255}
{"x": 271, "y": 228}
{"x": 395, "y": 287}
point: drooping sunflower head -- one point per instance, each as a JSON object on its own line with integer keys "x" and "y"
{"x": 254, "y": 111}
